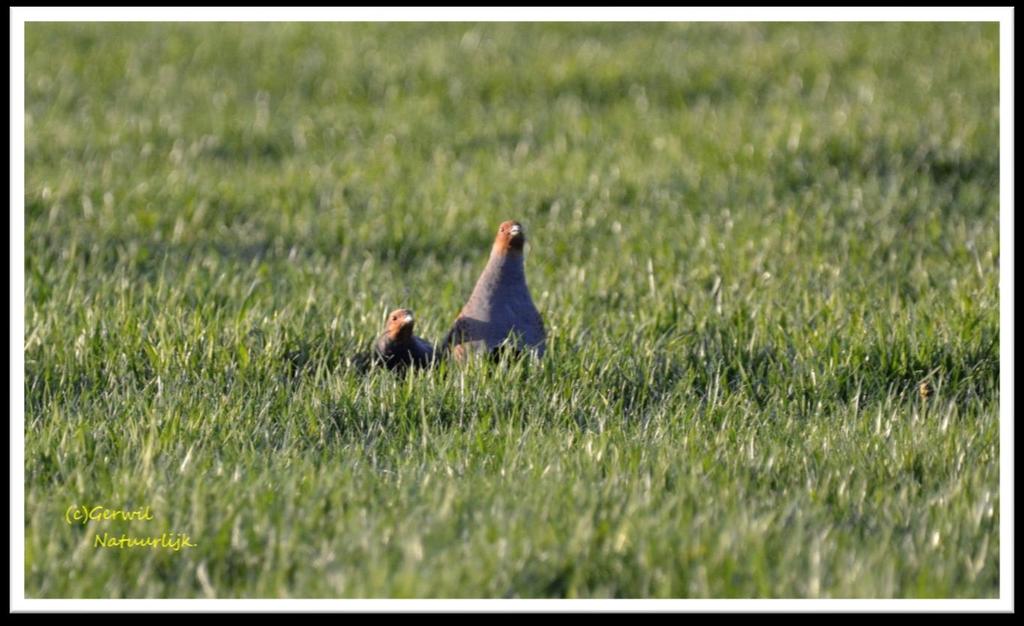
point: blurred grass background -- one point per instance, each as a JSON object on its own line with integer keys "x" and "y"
{"x": 751, "y": 244}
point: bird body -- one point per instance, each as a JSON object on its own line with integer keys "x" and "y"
{"x": 500, "y": 311}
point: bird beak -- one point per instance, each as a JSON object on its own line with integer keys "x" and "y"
{"x": 515, "y": 230}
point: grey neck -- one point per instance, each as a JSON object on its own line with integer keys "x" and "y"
{"x": 506, "y": 268}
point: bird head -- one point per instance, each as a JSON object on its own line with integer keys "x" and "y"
{"x": 511, "y": 236}
{"x": 400, "y": 324}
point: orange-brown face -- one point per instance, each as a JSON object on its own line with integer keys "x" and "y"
{"x": 400, "y": 323}
{"x": 511, "y": 236}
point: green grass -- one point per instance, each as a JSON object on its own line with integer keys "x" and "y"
{"x": 750, "y": 244}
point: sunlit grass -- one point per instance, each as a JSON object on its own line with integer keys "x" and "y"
{"x": 751, "y": 244}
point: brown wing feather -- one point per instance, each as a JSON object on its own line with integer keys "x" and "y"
{"x": 454, "y": 335}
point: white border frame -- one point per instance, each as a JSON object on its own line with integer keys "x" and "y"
{"x": 18, "y": 18}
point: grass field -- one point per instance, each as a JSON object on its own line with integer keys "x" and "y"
{"x": 751, "y": 244}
